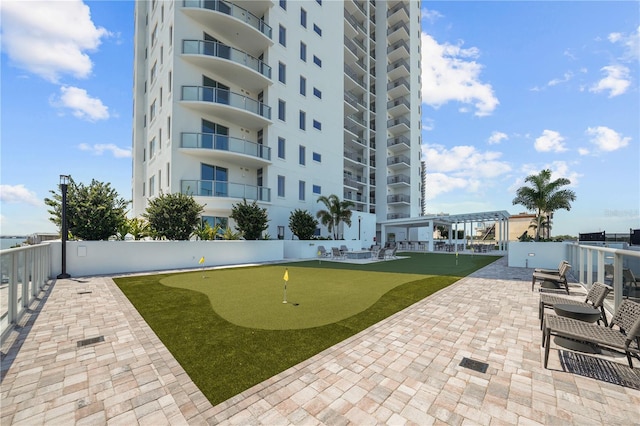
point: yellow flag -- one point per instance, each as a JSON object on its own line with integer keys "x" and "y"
{"x": 286, "y": 275}
{"x": 201, "y": 260}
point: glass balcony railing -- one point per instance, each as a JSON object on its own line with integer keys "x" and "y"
{"x": 214, "y": 188}
{"x": 225, "y": 97}
{"x": 225, "y": 143}
{"x": 232, "y": 10}
{"x": 398, "y": 198}
{"x": 219, "y": 50}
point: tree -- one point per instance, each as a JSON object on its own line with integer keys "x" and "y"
{"x": 136, "y": 226}
{"x": 544, "y": 196}
{"x": 336, "y": 211}
{"x": 173, "y": 216}
{"x": 250, "y": 219}
{"x": 302, "y": 224}
{"x": 94, "y": 212}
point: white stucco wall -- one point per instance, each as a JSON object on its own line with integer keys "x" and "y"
{"x": 536, "y": 254}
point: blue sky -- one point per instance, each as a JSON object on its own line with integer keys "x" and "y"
{"x": 509, "y": 88}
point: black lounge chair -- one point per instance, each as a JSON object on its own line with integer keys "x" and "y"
{"x": 559, "y": 280}
{"x": 595, "y": 299}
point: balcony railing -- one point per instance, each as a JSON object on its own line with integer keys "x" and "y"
{"x": 398, "y": 121}
{"x": 398, "y": 101}
{"x": 357, "y": 157}
{"x": 225, "y": 97}
{"x": 225, "y": 143}
{"x": 398, "y": 159}
{"x": 398, "y": 179}
{"x": 398, "y": 45}
{"x": 354, "y": 76}
{"x": 397, "y": 64}
{"x": 219, "y": 50}
{"x": 399, "y": 82}
{"x": 214, "y": 188}
{"x": 397, "y": 215}
{"x": 398, "y": 140}
{"x": 232, "y": 10}
{"x": 398, "y": 198}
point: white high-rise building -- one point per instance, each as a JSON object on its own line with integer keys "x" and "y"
{"x": 279, "y": 102}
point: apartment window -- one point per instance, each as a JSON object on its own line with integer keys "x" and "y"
{"x": 169, "y": 80}
{"x": 303, "y": 86}
{"x": 171, "y": 35}
{"x": 319, "y": 2}
{"x": 317, "y": 93}
{"x": 317, "y": 125}
{"x": 280, "y": 186}
{"x": 283, "y": 4}
{"x": 161, "y": 54}
{"x": 317, "y": 157}
{"x": 281, "y": 148}
{"x": 159, "y": 180}
{"x": 168, "y": 170}
{"x": 303, "y": 120}
{"x": 152, "y": 186}
{"x": 301, "y": 194}
{"x": 282, "y": 73}
{"x": 154, "y": 35}
{"x": 303, "y": 17}
{"x": 154, "y": 72}
{"x": 303, "y": 51}
{"x": 144, "y": 188}
{"x": 282, "y": 110}
{"x": 160, "y": 139}
{"x": 162, "y": 13}
{"x": 152, "y": 148}
{"x": 282, "y": 36}
{"x": 302, "y": 154}
{"x": 317, "y": 30}
{"x": 317, "y": 189}
{"x": 152, "y": 111}
{"x": 161, "y": 97}
{"x": 168, "y": 128}
{"x": 317, "y": 61}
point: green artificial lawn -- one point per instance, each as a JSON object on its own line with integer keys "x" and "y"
{"x": 197, "y": 318}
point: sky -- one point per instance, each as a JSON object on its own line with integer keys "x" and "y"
{"x": 509, "y": 88}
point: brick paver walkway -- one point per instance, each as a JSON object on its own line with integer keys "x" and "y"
{"x": 403, "y": 370}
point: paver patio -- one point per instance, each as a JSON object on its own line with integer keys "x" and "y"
{"x": 403, "y": 370}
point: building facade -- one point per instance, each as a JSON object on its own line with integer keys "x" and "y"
{"x": 278, "y": 102}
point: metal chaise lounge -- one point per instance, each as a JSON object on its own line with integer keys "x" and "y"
{"x": 594, "y": 299}
{"x": 626, "y": 340}
{"x": 559, "y": 280}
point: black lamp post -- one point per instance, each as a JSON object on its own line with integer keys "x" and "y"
{"x": 64, "y": 181}
{"x": 359, "y": 220}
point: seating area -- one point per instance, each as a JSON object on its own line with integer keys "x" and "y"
{"x": 552, "y": 279}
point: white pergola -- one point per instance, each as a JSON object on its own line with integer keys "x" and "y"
{"x": 453, "y": 222}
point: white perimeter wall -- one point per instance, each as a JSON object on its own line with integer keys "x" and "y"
{"x": 536, "y": 254}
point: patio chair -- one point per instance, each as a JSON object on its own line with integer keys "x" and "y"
{"x": 382, "y": 254}
{"x": 631, "y": 284}
{"x": 343, "y": 249}
{"x": 594, "y": 299}
{"x": 627, "y": 340}
{"x": 551, "y": 271}
{"x": 390, "y": 253}
{"x": 559, "y": 280}
{"x": 322, "y": 252}
{"x": 336, "y": 253}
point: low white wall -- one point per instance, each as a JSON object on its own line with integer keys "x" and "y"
{"x": 308, "y": 249}
{"x": 86, "y": 258}
{"x": 536, "y": 254}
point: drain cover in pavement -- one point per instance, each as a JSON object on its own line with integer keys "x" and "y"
{"x": 91, "y": 341}
{"x": 474, "y": 365}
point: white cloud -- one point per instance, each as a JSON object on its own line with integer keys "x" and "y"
{"x": 497, "y": 137}
{"x": 559, "y": 169}
{"x": 549, "y": 141}
{"x": 428, "y": 124}
{"x": 50, "y": 38}
{"x": 430, "y": 15}
{"x": 449, "y": 73}
{"x": 99, "y": 149}
{"x": 616, "y": 81}
{"x": 81, "y": 104}
{"x": 583, "y": 151}
{"x": 607, "y": 139}
{"x": 630, "y": 42}
{"x": 565, "y": 78}
{"x": 13, "y": 194}
{"x": 461, "y": 167}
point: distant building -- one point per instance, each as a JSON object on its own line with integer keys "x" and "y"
{"x": 41, "y": 237}
{"x": 278, "y": 102}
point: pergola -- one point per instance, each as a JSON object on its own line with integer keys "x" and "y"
{"x": 453, "y": 222}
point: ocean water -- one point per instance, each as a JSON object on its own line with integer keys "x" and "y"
{"x": 10, "y": 242}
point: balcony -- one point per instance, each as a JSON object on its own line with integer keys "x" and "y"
{"x": 397, "y": 32}
{"x": 228, "y": 105}
{"x": 397, "y": 51}
{"x": 398, "y": 125}
{"x": 353, "y": 78}
{"x": 398, "y": 162}
{"x": 398, "y": 13}
{"x": 399, "y": 199}
{"x": 391, "y": 216}
{"x": 356, "y": 157}
{"x": 356, "y": 198}
{"x": 223, "y": 189}
{"x": 399, "y": 143}
{"x": 354, "y": 181}
{"x": 397, "y": 69}
{"x": 398, "y": 87}
{"x": 398, "y": 180}
{"x": 228, "y": 62}
{"x": 226, "y": 148}
{"x": 252, "y": 34}
{"x": 398, "y": 106}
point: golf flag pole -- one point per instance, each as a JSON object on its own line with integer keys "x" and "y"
{"x": 201, "y": 261}
{"x": 285, "y": 278}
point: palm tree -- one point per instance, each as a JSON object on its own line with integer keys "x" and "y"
{"x": 544, "y": 196}
{"x": 337, "y": 211}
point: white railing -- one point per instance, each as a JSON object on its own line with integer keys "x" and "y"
{"x": 588, "y": 265}
{"x": 25, "y": 272}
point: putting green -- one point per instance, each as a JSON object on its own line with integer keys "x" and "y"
{"x": 252, "y": 297}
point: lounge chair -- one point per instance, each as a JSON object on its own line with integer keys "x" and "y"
{"x": 336, "y": 253}
{"x": 595, "y": 299}
{"x": 343, "y": 249}
{"x": 382, "y": 254}
{"x": 322, "y": 252}
{"x": 627, "y": 340}
{"x": 390, "y": 253}
{"x": 551, "y": 271}
{"x": 559, "y": 280}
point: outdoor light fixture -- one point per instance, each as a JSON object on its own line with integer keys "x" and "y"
{"x": 359, "y": 220}
{"x": 64, "y": 182}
